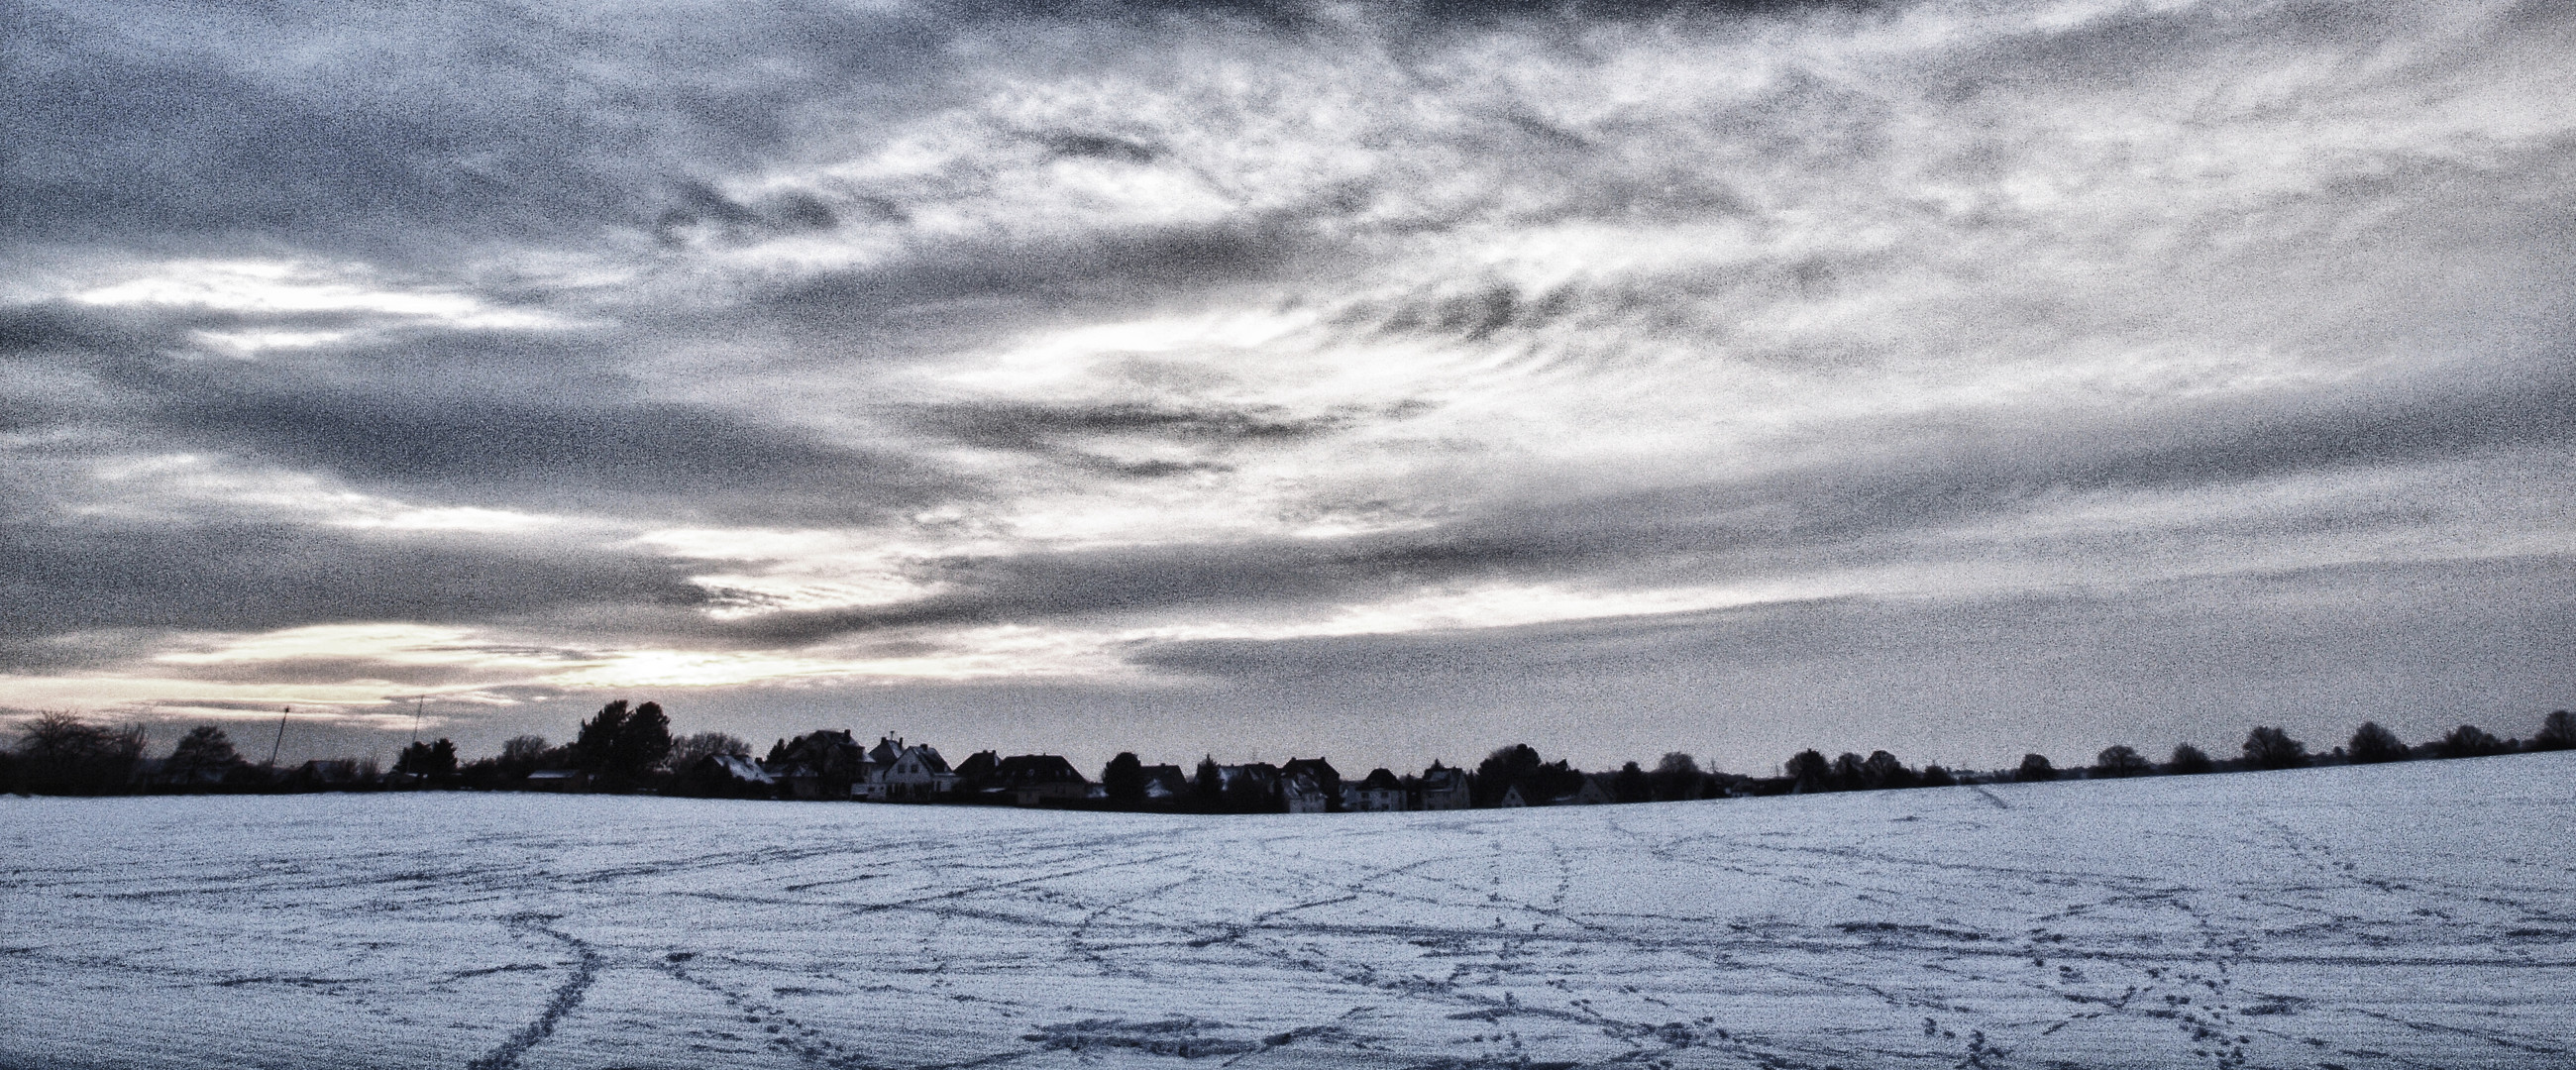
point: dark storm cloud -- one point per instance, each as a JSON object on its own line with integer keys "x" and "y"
{"x": 485, "y": 417}
{"x": 78, "y": 576}
{"x": 400, "y": 130}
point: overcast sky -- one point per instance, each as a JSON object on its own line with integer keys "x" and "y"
{"x": 1389, "y": 381}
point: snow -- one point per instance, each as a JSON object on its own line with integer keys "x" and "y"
{"x": 2402, "y": 916}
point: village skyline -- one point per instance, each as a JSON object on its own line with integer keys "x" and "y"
{"x": 1285, "y": 377}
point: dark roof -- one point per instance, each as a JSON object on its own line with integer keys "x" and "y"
{"x": 1318, "y": 768}
{"x": 1029, "y": 770}
{"x": 1381, "y": 780}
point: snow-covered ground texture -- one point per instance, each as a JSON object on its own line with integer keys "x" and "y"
{"x": 2403, "y": 916}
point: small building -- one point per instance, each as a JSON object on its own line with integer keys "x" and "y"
{"x": 1379, "y": 791}
{"x": 558, "y": 780}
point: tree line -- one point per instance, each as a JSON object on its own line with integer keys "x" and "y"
{"x": 623, "y": 748}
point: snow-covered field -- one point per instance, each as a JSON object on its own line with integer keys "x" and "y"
{"x": 2414, "y": 915}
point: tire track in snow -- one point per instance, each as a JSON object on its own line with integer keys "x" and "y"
{"x": 566, "y": 997}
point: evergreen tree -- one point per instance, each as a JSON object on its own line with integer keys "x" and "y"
{"x": 1501, "y": 771}
{"x": 1209, "y": 786}
{"x": 1124, "y": 780}
{"x": 619, "y": 747}
{"x": 1809, "y": 771}
{"x": 436, "y": 761}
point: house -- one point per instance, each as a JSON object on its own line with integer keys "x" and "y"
{"x": 1326, "y": 778}
{"x": 1589, "y": 790}
{"x": 1039, "y": 780}
{"x": 726, "y": 776}
{"x": 868, "y": 781}
{"x": 1441, "y": 788}
{"x": 1166, "y": 784}
{"x": 917, "y": 774}
{"x": 1300, "y": 794}
{"x": 1380, "y": 791}
{"x": 976, "y": 773}
{"x": 817, "y": 765}
{"x": 1251, "y": 788}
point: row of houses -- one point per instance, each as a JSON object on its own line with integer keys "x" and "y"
{"x": 835, "y": 765}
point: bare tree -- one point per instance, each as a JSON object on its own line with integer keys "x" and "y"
{"x": 2557, "y": 732}
{"x": 2121, "y": 760}
{"x": 61, "y": 754}
{"x": 2188, "y": 760}
{"x": 2272, "y": 748}
{"x": 2372, "y": 743}
{"x": 1677, "y": 776}
{"x": 2470, "y": 741}
{"x": 687, "y": 751}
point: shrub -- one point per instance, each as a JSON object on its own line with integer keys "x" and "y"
{"x": 2469, "y": 741}
{"x": 2557, "y": 732}
{"x": 2034, "y": 768}
{"x": 2372, "y": 743}
{"x": 2121, "y": 760}
{"x": 2272, "y": 748}
{"x": 2188, "y": 760}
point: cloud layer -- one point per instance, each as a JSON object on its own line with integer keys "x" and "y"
{"x": 1372, "y": 377}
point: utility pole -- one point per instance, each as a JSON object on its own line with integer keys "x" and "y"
{"x": 281, "y": 736}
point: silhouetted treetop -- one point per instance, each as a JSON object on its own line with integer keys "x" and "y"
{"x": 2371, "y": 743}
{"x": 2121, "y": 760}
{"x": 2272, "y": 748}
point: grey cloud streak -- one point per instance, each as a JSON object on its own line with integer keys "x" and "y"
{"x": 1114, "y": 320}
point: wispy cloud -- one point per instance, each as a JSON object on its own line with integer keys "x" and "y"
{"x": 939, "y": 350}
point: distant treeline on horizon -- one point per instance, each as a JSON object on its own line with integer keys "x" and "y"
{"x": 631, "y": 750}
